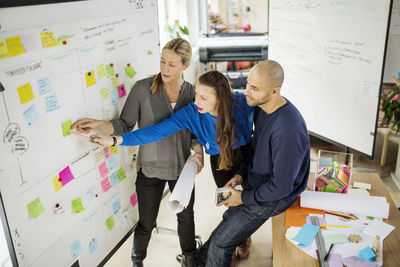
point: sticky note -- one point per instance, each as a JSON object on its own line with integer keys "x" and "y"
{"x": 48, "y": 39}
{"x": 114, "y": 96}
{"x": 90, "y": 79}
{"x": 103, "y": 169}
{"x": 44, "y": 85}
{"x": 149, "y": 52}
{"x": 29, "y": 42}
{"x": 133, "y": 84}
{"x": 115, "y": 82}
{"x": 110, "y": 223}
{"x": 107, "y": 152}
{"x": 121, "y": 174}
{"x": 92, "y": 245}
{"x": 64, "y": 40}
{"x": 14, "y": 46}
{"x": 35, "y": 208}
{"x": 110, "y": 70}
{"x": 3, "y": 49}
{"x": 112, "y": 162}
{"x": 306, "y": 234}
{"x": 105, "y": 184}
{"x": 58, "y": 208}
{"x": 91, "y": 194}
{"x": 76, "y": 248}
{"x": 25, "y": 93}
{"x": 51, "y": 103}
{"x": 335, "y": 260}
{"x": 121, "y": 91}
{"x": 114, "y": 179}
{"x": 66, "y": 127}
{"x": 99, "y": 157}
{"x": 76, "y": 205}
{"x": 133, "y": 199}
{"x": 101, "y": 71}
{"x": 367, "y": 254}
{"x": 66, "y": 176}
{"x": 105, "y": 94}
{"x": 336, "y": 239}
{"x": 31, "y": 115}
{"x": 130, "y": 72}
{"x": 56, "y": 183}
{"x": 114, "y": 150}
{"x": 116, "y": 206}
{"x": 355, "y": 261}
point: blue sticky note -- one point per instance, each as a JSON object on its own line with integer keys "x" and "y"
{"x": 44, "y": 85}
{"x": 112, "y": 162}
{"x": 325, "y": 162}
{"x": 76, "y": 248}
{"x": 306, "y": 234}
{"x": 398, "y": 75}
{"x": 367, "y": 254}
{"x": 51, "y": 103}
{"x": 114, "y": 180}
{"x": 31, "y": 115}
{"x": 116, "y": 206}
{"x": 92, "y": 245}
{"x": 114, "y": 96}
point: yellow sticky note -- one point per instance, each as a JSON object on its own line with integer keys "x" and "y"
{"x": 101, "y": 71}
{"x": 3, "y": 49}
{"x": 77, "y": 205}
{"x": 114, "y": 149}
{"x": 25, "y": 93}
{"x": 14, "y": 46}
{"x": 115, "y": 82}
{"x": 35, "y": 208}
{"x": 48, "y": 39}
{"x": 90, "y": 79}
{"x": 105, "y": 94}
{"x": 66, "y": 127}
{"x": 57, "y": 183}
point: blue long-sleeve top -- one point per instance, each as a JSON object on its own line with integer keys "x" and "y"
{"x": 279, "y": 160}
{"x": 202, "y": 125}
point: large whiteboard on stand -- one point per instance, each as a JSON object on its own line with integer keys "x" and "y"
{"x": 66, "y": 200}
{"x": 333, "y": 56}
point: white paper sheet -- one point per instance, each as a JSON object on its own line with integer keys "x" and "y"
{"x": 180, "y": 196}
{"x": 379, "y": 228}
{"x": 363, "y": 205}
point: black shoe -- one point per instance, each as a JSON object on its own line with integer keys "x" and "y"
{"x": 189, "y": 261}
{"x": 138, "y": 264}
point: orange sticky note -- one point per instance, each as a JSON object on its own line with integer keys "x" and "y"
{"x": 3, "y": 49}
{"x": 25, "y": 93}
{"x": 90, "y": 79}
{"x": 14, "y": 46}
{"x": 296, "y": 215}
{"x": 48, "y": 39}
{"x": 57, "y": 183}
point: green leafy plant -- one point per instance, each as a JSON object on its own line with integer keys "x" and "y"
{"x": 391, "y": 108}
{"x": 176, "y": 30}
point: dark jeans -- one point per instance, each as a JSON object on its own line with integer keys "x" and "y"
{"x": 221, "y": 177}
{"x": 149, "y": 193}
{"x": 237, "y": 224}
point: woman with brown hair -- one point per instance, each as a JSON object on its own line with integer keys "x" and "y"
{"x": 221, "y": 120}
{"x": 150, "y": 101}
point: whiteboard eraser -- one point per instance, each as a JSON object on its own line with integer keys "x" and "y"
{"x": 362, "y": 185}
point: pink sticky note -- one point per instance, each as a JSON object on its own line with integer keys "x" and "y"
{"x": 133, "y": 199}
{"x": 103, "y": 169}
{"x": 29, "y": 42}
{"x": 105, "y": 184}
{"x": 66, "y": 176}
{"x": 121, "y": 91}
{"x": 107, "y": 152}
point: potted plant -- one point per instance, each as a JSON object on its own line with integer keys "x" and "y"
{"x": 391, "y": 108}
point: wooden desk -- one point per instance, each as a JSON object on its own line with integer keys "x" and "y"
{"x": 287, "y": 254}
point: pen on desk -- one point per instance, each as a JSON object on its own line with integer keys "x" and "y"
{"x": 329, "y": 251}
{"x": 341, "y": 215}
{"x": 335, "y": 226}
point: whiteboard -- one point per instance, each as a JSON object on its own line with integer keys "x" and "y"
{"x": 332, "y": 53}
{"x": 65, "y": 199}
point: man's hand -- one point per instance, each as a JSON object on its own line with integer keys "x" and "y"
{"x": 234, "y": 200}
{"x": 85, "y": 125}
{"x": 236, "y": 180}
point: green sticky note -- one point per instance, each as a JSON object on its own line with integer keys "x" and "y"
{"x": 336, "y": 239}
{"x": 149, "y": 52}
{"x": 130, "y": 72}
{"x": 101, "y": 71}
{"x": 133, "y": 84}
{"x": 76, "y": 205}
{"x": 110, "y": 223}
{"x": 35, "y": 208}
{"x": 121, "y": 174}
{"x": 66, "y": 127}
{"x": 110, "y": 71}
{"x": 105, "y": 94}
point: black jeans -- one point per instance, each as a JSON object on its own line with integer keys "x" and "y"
{"x": 149, "y": 193}
{"x": 221, "y": 177}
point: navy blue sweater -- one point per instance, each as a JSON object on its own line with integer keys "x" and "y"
{"x": 279, "y": 162}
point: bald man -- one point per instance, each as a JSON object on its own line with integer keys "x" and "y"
{"x": 277, "y": 171}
